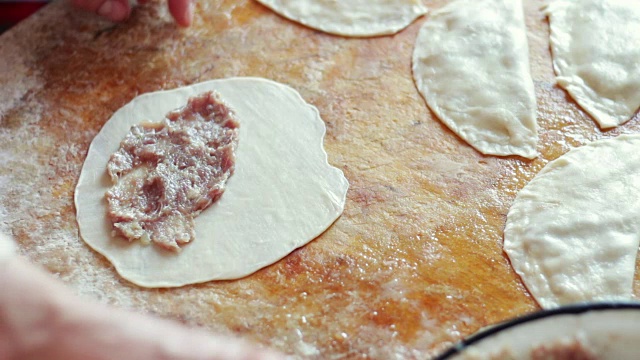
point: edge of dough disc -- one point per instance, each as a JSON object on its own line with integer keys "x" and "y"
{"x": 165, "y": 284}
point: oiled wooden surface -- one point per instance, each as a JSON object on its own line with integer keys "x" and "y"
{"x": 414, "y": 263}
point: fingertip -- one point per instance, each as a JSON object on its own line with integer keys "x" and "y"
{"x": 182, "y": 11}
{"x": 121, "y": 11}
{"x": 114, "y": 10}
{"x": 189, "y": 13}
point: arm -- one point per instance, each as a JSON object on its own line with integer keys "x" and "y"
{"x": 41, "y": 319}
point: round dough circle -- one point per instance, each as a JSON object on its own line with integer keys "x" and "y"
{"x": 283, "y": 194}
{"x": 357, "y": 18}
{"x": 572, "y": 233}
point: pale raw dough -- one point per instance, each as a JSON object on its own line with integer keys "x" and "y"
{"x": 572, "y": 233}
{"x": 352, "y": 17}
{"x": 471, "y": 64}
{"x": 595, "y": 47}
{"x": 283, "y": 194}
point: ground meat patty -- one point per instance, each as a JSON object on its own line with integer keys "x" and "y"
{"x": 166, "y": 173}
{"x": 563, "y": 351}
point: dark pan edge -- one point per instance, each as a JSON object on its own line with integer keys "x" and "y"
{"x": 565, "y": 310}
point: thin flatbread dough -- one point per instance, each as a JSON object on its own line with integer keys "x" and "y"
{"x": 572, "y": 233}
{"x": 357, "y": 18}
{"x": 595, "y": 48}
{"x": 283, "y": 194}
{"x": 471, "y": 65}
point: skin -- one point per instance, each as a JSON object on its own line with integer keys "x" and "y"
{"x": 42, "y": 319}
{"x": 119, "y": 10}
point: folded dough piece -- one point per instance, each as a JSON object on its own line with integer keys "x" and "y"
{"x": 572, "y": 233}
{"x": 356, "y": 18}
{"x": 283, "y": 194}
{"x": 595, "y": 48}
{"x": 471, "y": 64}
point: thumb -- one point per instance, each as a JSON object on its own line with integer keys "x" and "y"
{"x": 182, "y": 11}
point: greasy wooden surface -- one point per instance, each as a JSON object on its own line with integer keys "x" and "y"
{"x": 414, "y": 263}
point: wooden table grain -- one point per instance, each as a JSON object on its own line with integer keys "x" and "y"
{"x": 415, "y": 262}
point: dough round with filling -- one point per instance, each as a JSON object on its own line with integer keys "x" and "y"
{"x": 283, "y": 194}
{"x": 572, "y": 233}
{"x": 356, "y": 18}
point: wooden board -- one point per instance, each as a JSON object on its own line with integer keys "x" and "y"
{"x": 415, "y": 262}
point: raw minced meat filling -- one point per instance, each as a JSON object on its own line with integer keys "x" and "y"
{"x": 166, "y": 173}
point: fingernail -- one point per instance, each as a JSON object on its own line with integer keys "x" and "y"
{"x": 190, "y": 10}
{"x": 106, "y": 8}
{"x": 187, "y": 15}
{"x": 113, "y": 10}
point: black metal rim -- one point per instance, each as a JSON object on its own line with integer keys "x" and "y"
{"x": 565, "y": 310}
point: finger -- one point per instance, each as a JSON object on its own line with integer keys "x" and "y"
{"x": 47, "y": 321}
{"x": 182, "y": 11}
{"x": 93, "y": 330}
{"x": 114, "y": 10}
{"x": 30, "y": 305}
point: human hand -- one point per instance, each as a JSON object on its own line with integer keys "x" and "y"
{"x": 119, "y": 10}
{"x": 41, "y": 319}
